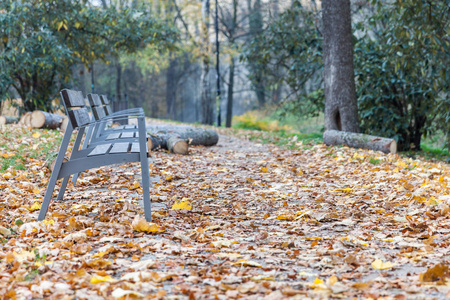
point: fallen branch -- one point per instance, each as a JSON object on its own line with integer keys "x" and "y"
{"x": 359, "y": 140}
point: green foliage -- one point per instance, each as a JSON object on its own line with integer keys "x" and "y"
{"x": 254, "y": 121}
{"x": 41, "y": 40}
{"x": 291, "y": 46}
{"x": 400, "y": 64}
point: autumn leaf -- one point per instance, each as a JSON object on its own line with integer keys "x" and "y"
{"x": 378, "y": 264}
{"x": 35, "y": 206}
{"x": 141, "y": 225}
{"x": 134, "y": 186}
{"x": 436, "y": 273}
{"x": 247, "y": 263}
{"x": 36, "y": 135}
{"x": 121, "y": 293}
{"x": 183, "y": 204}
{"x": 100, "y": 279}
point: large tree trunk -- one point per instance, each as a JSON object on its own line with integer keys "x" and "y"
{"x": 255, "y": 28}
{"x": 230, "y": 94}
{"x": 42, "y": 119}
{"x": 206, "y": 99}
{"x": 359, "y": 140}
{"x": 171, "y": 87}
{"x": 341, "y": 111}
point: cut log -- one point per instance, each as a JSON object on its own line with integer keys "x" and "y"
{"x": 42, "y": 119}
{"x": 8, "y": 120}
{"x": 64, "y": 124}
{"x": 171, "y": 142}
{"x": 193, "y": 135}
{"x": 359, "y": 140}
{"x": 25, "y": 119}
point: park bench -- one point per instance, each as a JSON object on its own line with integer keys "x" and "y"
{"x": 98, "y": 152}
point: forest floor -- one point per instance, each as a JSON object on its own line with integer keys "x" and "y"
{"x": 236, "y": 220}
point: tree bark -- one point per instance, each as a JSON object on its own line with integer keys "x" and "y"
{"x": 171, "y": 87}
{"x": 8, "y": 120}
{"x": 359, "y": 140}
{"x": 341, "y": 111}
{"x": 206, "y": 99}
{"x": 42, "y": 119}
{"x": 194, "y": 136}
{"x": 230, "y": 94}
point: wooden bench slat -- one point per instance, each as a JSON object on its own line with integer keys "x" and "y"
{"x": 120, "y": 148}
{"x": 94, "y": 100}
{"x": 127, "y": 135}
{"x": 100, "y": 149}
{"x": 134, "y": 147}
{"x": 113, "y": 136}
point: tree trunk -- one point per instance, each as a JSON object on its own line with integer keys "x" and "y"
{"x": 42, "y": 119}
{"x": 171, "y": 87}
{"x": 206, "y": 99}
{"x": 255, "y": 28}
{"x": 341, "y": 111}
{"x": 8, "y": 120}
{"x": 118, "y": 81}
{"x": 359, "y": 140}
{"x": 230, "y": 94}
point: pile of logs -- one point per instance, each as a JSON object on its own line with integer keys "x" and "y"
{"x": 36, "y": 119}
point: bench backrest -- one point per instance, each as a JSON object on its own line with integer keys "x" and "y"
{"x": 107, "y": 104}
{"x": 75, "y": 107}
{"x": 97, "y": 106}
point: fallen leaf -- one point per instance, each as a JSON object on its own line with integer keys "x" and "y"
{"x": 119, "y": 293}
{"x": 99, "y": 279}
{"x": 182, "y": 205}
{"x": 141, "y": 225}
{"x": 378, "y": 264}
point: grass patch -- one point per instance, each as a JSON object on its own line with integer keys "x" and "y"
{"x": 19, "y": 145}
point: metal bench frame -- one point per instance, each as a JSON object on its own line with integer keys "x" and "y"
{"x": 100, "y": 153}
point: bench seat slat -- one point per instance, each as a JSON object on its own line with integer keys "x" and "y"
{"x": 135, "y": 147}
{"x": 120, "y": 148}
{"x": 127, "y": 134}
{"x": 100, "y": 149}
{"x": 113, "y": 136}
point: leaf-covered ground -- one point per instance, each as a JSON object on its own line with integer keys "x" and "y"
{"x": 237, "y": 220}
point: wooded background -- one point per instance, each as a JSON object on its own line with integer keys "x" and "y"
{"x": 161, "y": 55}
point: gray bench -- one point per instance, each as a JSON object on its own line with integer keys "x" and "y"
{"x": 98, "y": 153}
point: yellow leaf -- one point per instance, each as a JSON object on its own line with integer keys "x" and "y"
{"x": 141, "y": 225}
{"x": 264, "y": 169}
{"x": 35, "y": 206}
{"x": 100, "y": 254}
{"x": 36, "y": 135}
{"x": 347, "y": 190}
{"x": 48, "y": 222}
{"x": 378, "y": 264}
{"x": 318, "y": 281}
{"x": 134, "y": 186}
{"x": 98, "y": 279}
{"x": 332, "y": 280}
{"x": 182, "y": 205}
{"x": 247, "y": 263}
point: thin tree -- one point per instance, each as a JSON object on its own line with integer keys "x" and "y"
{"x": 341, "y": 111}
{"x": 206, "y": 99}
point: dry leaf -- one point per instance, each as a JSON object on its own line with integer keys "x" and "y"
{"x": 182, "y": 205}
{"x": 378, "y": 264}
{"x": 141, "y": 225}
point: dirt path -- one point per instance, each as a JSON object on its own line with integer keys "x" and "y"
{"x": 260, "y": 223}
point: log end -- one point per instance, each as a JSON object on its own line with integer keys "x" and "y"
{"x": 393, "y": 147}
{"x": 180, "y": 147}
{"x": 37, "y": 119}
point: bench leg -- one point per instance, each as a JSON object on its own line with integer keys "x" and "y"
{"x": 55, "y": 173}
{"x": 85, "y": 145}
{"x": 62, "y": 190}
{"x": 144, "y": 170}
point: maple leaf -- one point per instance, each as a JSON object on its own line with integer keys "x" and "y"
{"x": 141, "y": 225}
{"x": 183, "y": 204}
